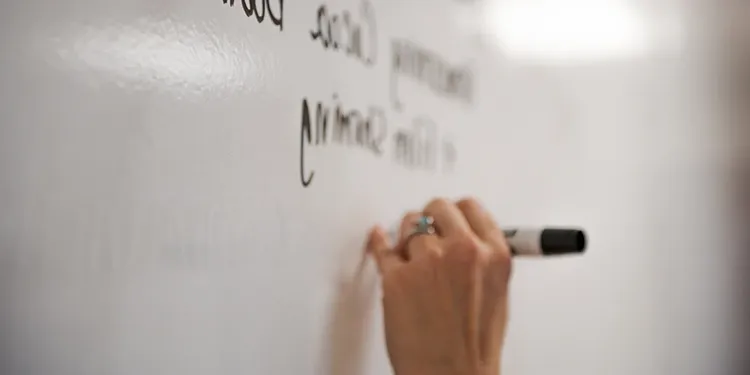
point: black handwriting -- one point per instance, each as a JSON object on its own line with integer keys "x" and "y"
{"x": 258, "y": 8}
{"x": 342, "y": 32}
{"x": 427, "y": 67}
{"x": 416, "y": 147}
{"x": 335, "y": 124}
{"x": 450, "y": 156}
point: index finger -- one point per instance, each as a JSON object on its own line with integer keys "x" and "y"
{"x": 378, "y": 247}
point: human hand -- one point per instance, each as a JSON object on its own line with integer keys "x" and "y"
{"x": 445, "y": 296}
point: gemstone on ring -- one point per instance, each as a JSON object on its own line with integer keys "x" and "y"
{"x": 425, "y": 224}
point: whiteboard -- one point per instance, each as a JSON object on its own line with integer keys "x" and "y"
{"x": 186, "y": 186}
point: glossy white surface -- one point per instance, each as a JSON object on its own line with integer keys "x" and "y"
{"x": 154, "y": 219}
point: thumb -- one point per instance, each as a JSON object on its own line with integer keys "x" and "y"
{"x": 379, "y": 248}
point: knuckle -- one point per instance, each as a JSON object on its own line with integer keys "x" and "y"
{"x": 437, "y": 204}
{"x": 501, "y": 254}
{"x": 466, "y": 238}
{"x": 501, "y": 264}
{"x": 469, "y": 248}
{"x": 502, "y": 258}
{"x": 469, "y": 204}
{"x": 424, "y": 246}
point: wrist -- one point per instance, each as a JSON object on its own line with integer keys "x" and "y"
{"x": 432, "y": 370}
{"x": 427, "y": 372}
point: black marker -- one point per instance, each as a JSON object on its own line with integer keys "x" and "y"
{"x": 545, "y": 241}
{"x": 538, "y": 242}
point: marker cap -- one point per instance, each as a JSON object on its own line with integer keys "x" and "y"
{"x": 562, "y": 241}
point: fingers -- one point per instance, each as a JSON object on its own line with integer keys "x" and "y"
{"x": 482, "y": 224}
{"x": 478, "y": 218}
{"x": 449, "y": 220}
{"x": 452, "y": 220}
{"x": 414, "y": 246}
{"x": 381, "y": 251}
{"x": 422, "y": 245}
{"x": 408, "y": 223}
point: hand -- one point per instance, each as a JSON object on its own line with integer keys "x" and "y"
{"x": 445, "y": 296}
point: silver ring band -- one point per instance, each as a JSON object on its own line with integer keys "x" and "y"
{"x": 425, "y": 225}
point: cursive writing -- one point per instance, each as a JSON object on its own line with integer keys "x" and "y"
{"x": 341, "y": 32}
{"x": 258, "y": 8}
{"x": 426, "y": 67}
{"x": 416, "y": 147}
{"x": 335, "y": 124}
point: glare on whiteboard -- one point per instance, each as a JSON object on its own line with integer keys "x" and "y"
{"x": 165, "y": 54}
{"x": 572, "y": 30}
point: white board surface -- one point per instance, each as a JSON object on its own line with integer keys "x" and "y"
{"x": 164, "y": 211}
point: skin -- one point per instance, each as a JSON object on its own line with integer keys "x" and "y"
{"x": 445, "y": 296}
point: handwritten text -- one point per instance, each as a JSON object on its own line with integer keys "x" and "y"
{"x": 350, "y": 127}
{"x": 426, "y": 67}
{"x": 258, "y": 8}
{"x": 341, "y": 32}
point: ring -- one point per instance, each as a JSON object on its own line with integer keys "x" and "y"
{"x": 424, "y": 225}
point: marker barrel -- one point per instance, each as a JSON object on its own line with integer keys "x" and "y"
{"x": 545, "y": 241}
{"x": 539, "y": 242}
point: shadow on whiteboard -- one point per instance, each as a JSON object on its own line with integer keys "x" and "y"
{"x": 350, "y": 317}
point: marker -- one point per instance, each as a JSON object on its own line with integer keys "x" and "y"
{"x": 538, "y": 242}
{"x": 545, "y": 241}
